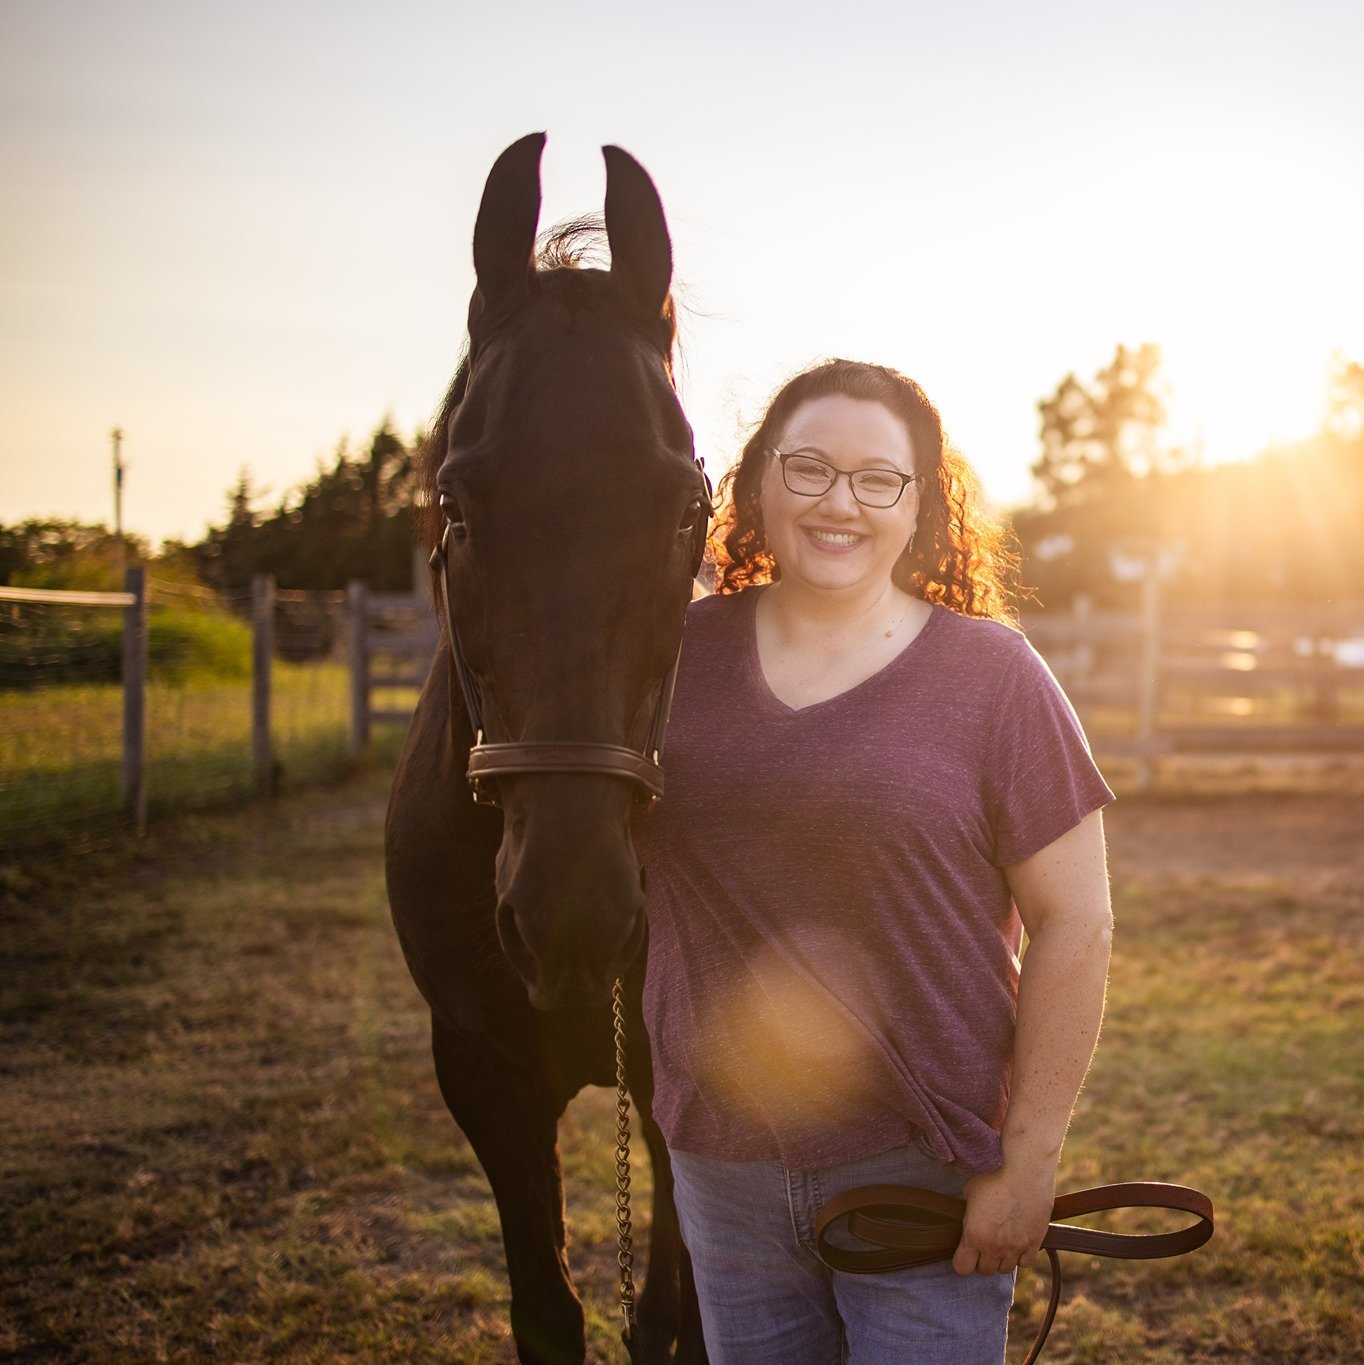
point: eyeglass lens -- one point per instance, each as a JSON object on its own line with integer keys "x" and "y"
{"x": 871, "y": 487}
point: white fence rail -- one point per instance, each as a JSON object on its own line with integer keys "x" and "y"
{"x": 133, "y": 600}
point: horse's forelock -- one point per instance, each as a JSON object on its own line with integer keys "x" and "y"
{"x": 575, "y": 244}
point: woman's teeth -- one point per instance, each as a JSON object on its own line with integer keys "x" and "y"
{"x": 842, "y": 538}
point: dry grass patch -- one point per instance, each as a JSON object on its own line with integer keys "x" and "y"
{"x": 223, "y": 1138}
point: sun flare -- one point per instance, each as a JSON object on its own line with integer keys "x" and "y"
{"x": 1231, "y": 397}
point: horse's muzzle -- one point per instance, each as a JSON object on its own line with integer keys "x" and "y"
{"x": 568, "y": 970}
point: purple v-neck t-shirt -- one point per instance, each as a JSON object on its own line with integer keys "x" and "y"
{"x": 833, "y": 946}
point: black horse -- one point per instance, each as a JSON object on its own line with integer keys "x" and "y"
{"x": 574, "y": 516}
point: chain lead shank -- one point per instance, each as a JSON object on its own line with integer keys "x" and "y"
{"x": 625, "y": 1255}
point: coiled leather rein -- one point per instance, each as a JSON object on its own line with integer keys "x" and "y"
{"x": 902, "y": 1226}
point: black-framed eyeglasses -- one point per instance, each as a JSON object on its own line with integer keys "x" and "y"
{"x": 812, "y": 477}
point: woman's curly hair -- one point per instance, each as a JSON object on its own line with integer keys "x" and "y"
{"x": 960, "y": 556}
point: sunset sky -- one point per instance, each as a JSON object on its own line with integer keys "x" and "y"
{"x": 242, "y": 232}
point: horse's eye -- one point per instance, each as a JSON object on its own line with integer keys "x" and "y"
{"x": 691, "y": 517}
{"x": 451, "y": 510}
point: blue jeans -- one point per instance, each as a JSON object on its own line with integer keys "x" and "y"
{"x": 766, "y": 1299}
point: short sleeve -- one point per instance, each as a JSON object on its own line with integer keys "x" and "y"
{"x": 1041, "y": 777}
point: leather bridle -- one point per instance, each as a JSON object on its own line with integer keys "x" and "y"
{"x": 488, "y": 761}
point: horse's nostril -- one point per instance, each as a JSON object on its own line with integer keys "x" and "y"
{"x": 515, "y": 947}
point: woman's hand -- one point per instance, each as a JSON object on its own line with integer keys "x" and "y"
{"x": 1007, "y": 1212}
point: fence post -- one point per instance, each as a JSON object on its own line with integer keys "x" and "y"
{"x": 1325, "y": 704}
{"x": 262, "y": 655}
{"x": 357, "y": 603}
{"x": 421, "y": 580}
{"x": 1082, "y": 613}
{"x": 133, "y": 777}
{"x": 1148, "y": 681}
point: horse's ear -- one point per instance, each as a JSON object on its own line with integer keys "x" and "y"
{"x": 641, "y": 252}
{"x": 504, "y": 234}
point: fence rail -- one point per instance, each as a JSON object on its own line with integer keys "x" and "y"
{"x": 1275, "y": 679}
{"x": 158, "y": 695}
{"x": 61, "y": 597}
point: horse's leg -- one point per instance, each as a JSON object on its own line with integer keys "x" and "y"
{"x": 514, "y": 1132}
{"x": 667, "y": 1310}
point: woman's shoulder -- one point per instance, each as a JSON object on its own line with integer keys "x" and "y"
{"x": 981, "y": 637}
{"x": 715, "y": 629}
{"x": 986, "y": 647}
{"x": 718, "y": 611}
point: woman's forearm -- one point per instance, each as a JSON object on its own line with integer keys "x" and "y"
{"x": 1060, "y": 1008}
{"x": 1062, "y": 895}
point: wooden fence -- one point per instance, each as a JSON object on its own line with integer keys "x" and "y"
{"x": 133, "y": 600}
{"x": 260, "y": 766}
{"x": 1168, "y": 679}
{"x": 392, "y": 638}
{"x": 1149, "y": 683}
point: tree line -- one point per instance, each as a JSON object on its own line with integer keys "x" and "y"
{"x": 1112, "y": 485}
{"x": 1110, "y": 482}
{"x": 353, "y": 520}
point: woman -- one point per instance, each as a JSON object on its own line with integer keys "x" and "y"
{"x": 871, "y": 782}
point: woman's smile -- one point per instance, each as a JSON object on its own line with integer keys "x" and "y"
{"x": 838, "y": 541}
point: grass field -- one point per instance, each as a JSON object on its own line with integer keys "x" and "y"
{"x": 60, "y": 746}
{"x": 222, "y": 1138}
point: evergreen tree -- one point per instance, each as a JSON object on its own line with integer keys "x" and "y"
{"x": 352, "y": 520}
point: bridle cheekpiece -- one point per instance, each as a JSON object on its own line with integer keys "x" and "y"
{"x": 488, "y": 761}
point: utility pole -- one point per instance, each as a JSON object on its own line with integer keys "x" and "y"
{"x": 117, "y": 437}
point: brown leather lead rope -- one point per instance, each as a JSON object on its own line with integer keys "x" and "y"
{"x": 902, "y": 1226}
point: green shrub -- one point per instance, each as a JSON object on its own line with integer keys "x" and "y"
{"x": 39, "y": 647}
{"x": 86, "y": 646}
{"x": 185, "y": 644}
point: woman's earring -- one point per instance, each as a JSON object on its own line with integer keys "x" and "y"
{"x": 909, "y": 547}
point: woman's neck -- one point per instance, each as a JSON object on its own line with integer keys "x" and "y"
{"x": 798, "y": 614}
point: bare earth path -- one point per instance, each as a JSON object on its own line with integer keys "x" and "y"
{"x": 1295, "y": 837}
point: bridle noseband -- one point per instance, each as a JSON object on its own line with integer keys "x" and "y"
{"x": 643, "y": 768}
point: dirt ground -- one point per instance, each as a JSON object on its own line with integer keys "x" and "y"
{"x": 228, "y": 1142}
{"x": 1311, "y": 839}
